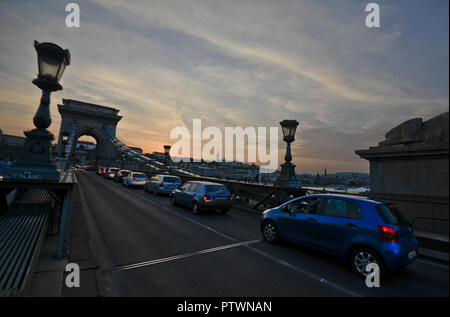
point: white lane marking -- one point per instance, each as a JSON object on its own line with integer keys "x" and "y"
{"x": 182, "y": 256}
{"x": 431, "y": 263}
{"x": 286, "y": 264}
{"x": 184, "y": 217}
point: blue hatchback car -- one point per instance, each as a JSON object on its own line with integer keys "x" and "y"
{"x": 355, "y": 228}
{"x": 200, "y": 195}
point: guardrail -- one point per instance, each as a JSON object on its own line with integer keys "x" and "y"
{"x": 250, "y": 195}
{"x": 427, "y": 218}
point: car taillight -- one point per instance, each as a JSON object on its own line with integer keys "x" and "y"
{"x": 132, "y": 179}
{"x": 230, "y": 197}
{"x": 161, "y": 184}
{"x": 206, "y": 197}
{"x": 388, "y": 234}
{"x": 146, "y": 180}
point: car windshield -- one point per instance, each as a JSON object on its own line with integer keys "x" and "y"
{"x": 217, "y": 189}
{"x": 391, "y": 215}
{"x": 169, "y": 179}
{"x": 125, "y": 173}
{"x": 139, "y": 175}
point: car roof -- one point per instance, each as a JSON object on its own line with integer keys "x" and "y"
{"x": 348, "y": 196}
{"x": 206, "y": 183}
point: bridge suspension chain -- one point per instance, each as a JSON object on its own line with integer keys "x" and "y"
{"x": 68, "y": 148}
{"x": 152, "y": 164}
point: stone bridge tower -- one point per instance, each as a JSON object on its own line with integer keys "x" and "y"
{"x": 90, "y": 120}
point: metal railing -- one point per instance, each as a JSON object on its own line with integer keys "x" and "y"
{"x": 69, "y": 146}
{"x": 427, "y": 218}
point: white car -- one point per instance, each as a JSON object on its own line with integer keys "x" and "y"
{"x": 135, "y": 179}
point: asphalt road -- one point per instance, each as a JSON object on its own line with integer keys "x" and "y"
{"x": 147, "y": 247}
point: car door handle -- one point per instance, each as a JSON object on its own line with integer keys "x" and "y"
{"x": 351, "y": 225}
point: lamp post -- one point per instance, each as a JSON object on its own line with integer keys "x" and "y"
{"x": 65, "y": 140}
{"x": 166, "y": 152}
{"x": 123, "y": 162}
{"x": 287, "y": 176}
{"x": 35, "y": 163}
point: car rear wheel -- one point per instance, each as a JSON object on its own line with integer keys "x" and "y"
{"x": 173, "y": 202}
{"x": 361, "y": 257}
{"x": 155, "y": 191}
{"x": 270, "y": 231}
{"x": 195, "y": 209}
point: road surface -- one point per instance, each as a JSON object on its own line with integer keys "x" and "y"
{"x": 147, "y": 247}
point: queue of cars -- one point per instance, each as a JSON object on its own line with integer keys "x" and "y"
{"x": 355, "y": 228}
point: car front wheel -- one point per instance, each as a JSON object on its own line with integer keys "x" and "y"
{"x": 173, "y": 201}
{"x": 270, "y": 231}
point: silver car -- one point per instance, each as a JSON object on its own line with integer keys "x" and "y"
{"x": 162, "y": 184}
{"x": 135, "y": 179}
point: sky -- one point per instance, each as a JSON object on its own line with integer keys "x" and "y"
{"x": 237, "y": 63}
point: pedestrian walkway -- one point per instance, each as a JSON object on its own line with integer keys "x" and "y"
{"x": 49, "y": 277}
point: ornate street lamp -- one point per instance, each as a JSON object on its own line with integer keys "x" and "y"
{"x": 166, "y": 151}
{"x": 287, "y": 176}
{"x": 65, "y": 139}
{"x": 35, "y": 163}
{"x": 123, "y": 161}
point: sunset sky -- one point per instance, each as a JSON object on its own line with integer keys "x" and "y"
{"x": 237, "y": 63}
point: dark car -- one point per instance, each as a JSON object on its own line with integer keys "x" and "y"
{"x": 100, "y": 170}
{"x": 110, "y": 172}
{"x": 203, "y": 196}
{"x": 357, "y": 229}
{"x": 118, "y": 177}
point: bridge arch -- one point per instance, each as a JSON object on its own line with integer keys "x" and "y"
{"x": 80, "y": 118}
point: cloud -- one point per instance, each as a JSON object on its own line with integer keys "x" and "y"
{"x": 235, "y": 63}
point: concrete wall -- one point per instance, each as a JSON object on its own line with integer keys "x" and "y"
{"x": 410, "y": 168}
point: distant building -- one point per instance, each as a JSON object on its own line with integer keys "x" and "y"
{"x": 159, "y": 155}
{"x": 85, "y": 145}
{"x": 12, "y": 140}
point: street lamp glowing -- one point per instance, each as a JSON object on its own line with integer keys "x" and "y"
{"x": 52, "y": 61}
